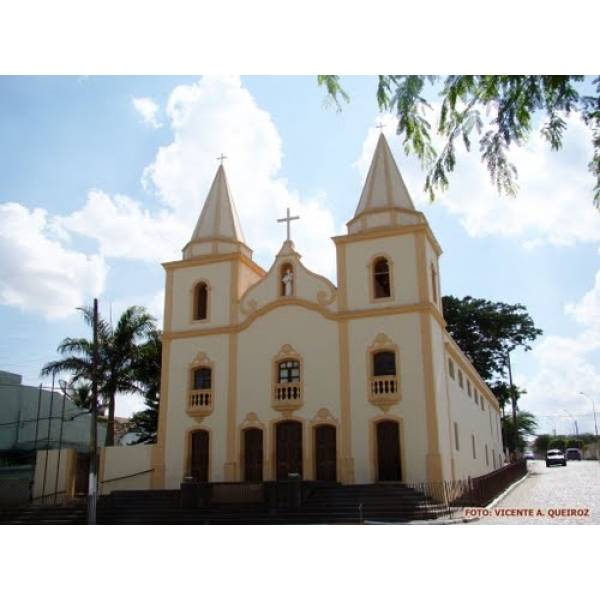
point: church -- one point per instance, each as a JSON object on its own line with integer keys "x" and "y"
{"x": 268, "y": 375}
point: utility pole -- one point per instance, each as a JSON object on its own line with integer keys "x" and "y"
{"x": 93, "y": 473}
{"x": 595, "y": 425}
{"x": 514, "y": 403}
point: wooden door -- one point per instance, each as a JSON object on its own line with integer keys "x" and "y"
{"x": 388, "y": 451}
{"x": 288, "y": 448}
{"x": 325, "y": 453}
{"x": 199, "y": 466}
{"x": 253, "y": 454}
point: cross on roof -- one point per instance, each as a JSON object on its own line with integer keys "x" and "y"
{"x": 221, "y": 158}
{"x": 380, "y": 126}
{"x": 287, "y": 220}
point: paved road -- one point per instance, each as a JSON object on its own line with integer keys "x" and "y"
{"x": 556, "y": 495}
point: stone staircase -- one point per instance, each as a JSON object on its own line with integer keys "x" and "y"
{"x": 323, "y": 504}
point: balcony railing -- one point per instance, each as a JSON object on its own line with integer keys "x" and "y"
{"x": 200, "y": 402}
{"x": 384, "y": 390}
{"x": 287, "y": 396}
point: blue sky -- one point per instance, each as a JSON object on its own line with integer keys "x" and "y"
{"x": 102, "y": 178}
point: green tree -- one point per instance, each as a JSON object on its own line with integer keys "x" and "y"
{"x": 542, "y": 443}
{"x": 466, "y": 101}
{"x": 526, "y": 426}
{"x": 147, "y": 373}
{"x": 118, "y": 355}
{"x": 486, "y": 332}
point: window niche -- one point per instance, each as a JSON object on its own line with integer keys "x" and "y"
{"x": 287, "y": 280}
{"x": 381, "y": 278}
{"x": 384, "y": 382}
{"x": 200, "y": 308}
{"x": 201, "y": 382}
{"x": 287, "y": 380}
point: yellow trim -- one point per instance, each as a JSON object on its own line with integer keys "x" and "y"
{"x": 423, "y": 307}
{"x": 434, "y": 464}
{"x": 373, "y": 458}
{"x": 214, "y": 258}
{"x": 383, "y": 232}
{"x": 346, "y": 474}
{"x": 341, "y": 277}
{"x": 386, "y": 208}
{"x": 168, "y": 309}
{"x": 231, "y": 466}
{"x": 158, "y": 452}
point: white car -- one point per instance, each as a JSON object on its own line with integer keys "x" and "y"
{"x": 555, "y": 457}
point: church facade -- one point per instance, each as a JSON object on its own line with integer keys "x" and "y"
{"x": 267, "y": 374}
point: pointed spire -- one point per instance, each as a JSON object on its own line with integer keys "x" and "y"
{"x": 218, "y": 219}
{"x": 384, "y": 186}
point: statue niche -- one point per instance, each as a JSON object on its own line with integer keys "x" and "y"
{"x": 287, "y": 280}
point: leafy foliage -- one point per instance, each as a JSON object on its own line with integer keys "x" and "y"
{"x": 148, "y": 370}
{"x": 486, "y": 331}
{"x": 508, "y": 102}
{"x": 526, "y": 426}
{"x": 118, "y": 359}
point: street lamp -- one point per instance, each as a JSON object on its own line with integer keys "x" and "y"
{"x": 514, "y": 403}
{"x": 574, "y": 421}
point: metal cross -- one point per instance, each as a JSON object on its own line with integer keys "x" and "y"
{"x": 380, "y": 126}
{"x": 287, "y": 219}
{"x": 221, "y": 158}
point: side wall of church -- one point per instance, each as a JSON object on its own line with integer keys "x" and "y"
{"x": 471, "y": 420}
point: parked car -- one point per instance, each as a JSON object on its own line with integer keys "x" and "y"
{"x": 529, "y": 455}
{"x": 555, "y": 457}
{"x": 573, "y": 454}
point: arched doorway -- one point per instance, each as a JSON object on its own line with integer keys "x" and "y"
{"x": 288, "y": 448}
{"x": 325, "y": 453}
{"x": 253, "y": 454}
{"x": 388, "y": 451}
{"x": 199, "y": 455}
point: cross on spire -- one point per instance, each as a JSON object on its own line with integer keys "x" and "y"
{"x": 221, "y": 158}
{"x": 287, "y": 220}
{"x": 380, "y": 126}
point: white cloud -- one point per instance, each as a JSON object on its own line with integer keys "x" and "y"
{"x": 554, "y": 203}
{"x": 567, "y": 366}
{"x": 219, "y": 115}
{"x": 209, "y": 117}
{"x": 148, "y": 109}
{"x": 37, "y": 272}
{"x": 124, "y": 229}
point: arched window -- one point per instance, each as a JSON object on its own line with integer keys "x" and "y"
{"x": 289, "y": 371}
{"x": 381, "y": 278}
{"x": 384, "y": 363}
{"x": 202, "y": 378}
{"x": 200, "y": 301}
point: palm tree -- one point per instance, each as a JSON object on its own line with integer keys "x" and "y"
{"x": 526, "y": 425}
{"x": 118, "y": 355}
{"x": 147, "y": 372}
